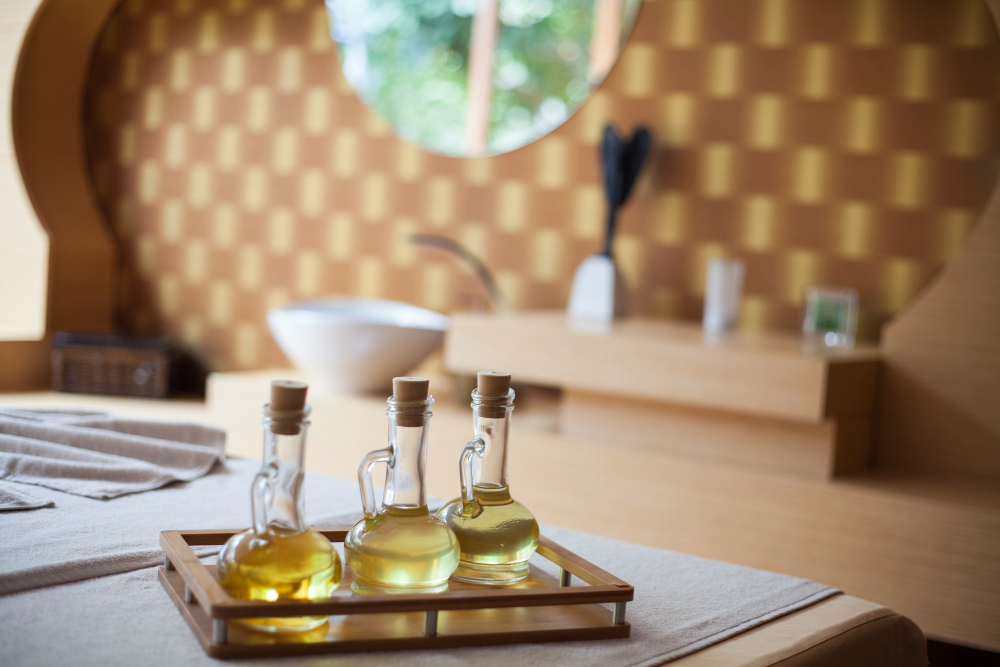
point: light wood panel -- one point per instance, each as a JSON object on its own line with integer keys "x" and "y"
{"x": 840, "y": 631}
{"x": 932, "y": 554}
{"x": 941, "y": 398}
{"x": 24, "y": 245}
{"x": 47, "y": 126}
{"x": 927, "y": 549}
{"x": 24, "y": 365}
{"x": 61, "y": 275}
{"x": 815, "y": 450}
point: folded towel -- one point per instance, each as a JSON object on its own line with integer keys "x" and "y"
{"x": 101, "y": 456}
{"x": 84, "y": 537}
{"x": 13, "y": 497}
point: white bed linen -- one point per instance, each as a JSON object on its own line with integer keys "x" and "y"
{"x": 682, "y": 603}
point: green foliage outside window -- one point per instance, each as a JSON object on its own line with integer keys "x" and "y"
{"x": 408, "y": 60}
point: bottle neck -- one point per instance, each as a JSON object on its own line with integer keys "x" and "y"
{"x": 284, "y": 454}
{"x": 491, "y": 423}
{"x": 405, "y": 474}
{"x": 491, "y": 469}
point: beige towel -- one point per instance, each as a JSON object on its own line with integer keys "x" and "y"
{"x": 101, "y": 456}
{"x": 83, "y": 537}
{"x": 682, "y": 603}
{"x": 13, "y": 497}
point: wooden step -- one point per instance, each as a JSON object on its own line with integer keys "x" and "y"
{"x": 765, "y": 400}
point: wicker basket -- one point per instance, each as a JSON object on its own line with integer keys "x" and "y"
{"x": 112, "y": 365}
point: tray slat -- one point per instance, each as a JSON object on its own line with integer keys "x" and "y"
{"x": 394, "y": 632}
{"x": 535, "y": 610}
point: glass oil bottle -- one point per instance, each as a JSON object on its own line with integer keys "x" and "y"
{"x": 401, "y": 547}
{"x": 280, "y": 558}
{"x": 496, "y": 533}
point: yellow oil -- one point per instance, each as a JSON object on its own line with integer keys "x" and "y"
{"x": 497, "y": 541}
{"x": 403, "y": 550}
{"x": 284, "y": 566}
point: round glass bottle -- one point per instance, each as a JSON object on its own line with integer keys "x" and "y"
{"x": 497, "y": 534}
{"x": 401, "y": 547}
{"x": 280, "y": 558}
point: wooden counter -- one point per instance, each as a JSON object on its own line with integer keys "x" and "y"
{"x": 928, "y": 550}
{"x": 763, "y": 400}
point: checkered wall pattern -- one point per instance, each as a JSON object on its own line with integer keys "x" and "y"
{"x": 841, "y": 142}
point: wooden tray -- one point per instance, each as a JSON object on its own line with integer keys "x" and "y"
{"x": 537, "y": 609}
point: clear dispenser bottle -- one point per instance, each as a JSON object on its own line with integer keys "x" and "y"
{"x": 496, "y": 533}
{"x": 401, "y": 547}
{"x": 280, "y": 558}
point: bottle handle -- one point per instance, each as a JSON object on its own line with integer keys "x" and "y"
{"x": 365, "y": 480}
{"x": 258, "y": 499}
{"x": 475, "y": 447}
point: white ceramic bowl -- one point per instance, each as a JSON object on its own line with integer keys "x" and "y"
{"x": 354, "y": 344}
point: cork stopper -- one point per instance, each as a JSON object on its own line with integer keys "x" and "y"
{"x": 287, "y": 408}
{"x": 410, "y": 389}
{"x": 491, "y": 396}
{"x": 288, "y": 396}
{"x": 405, "y": 392}
{"x": 493, "y": 383}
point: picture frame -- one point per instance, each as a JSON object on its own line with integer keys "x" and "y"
{"x": 830, "y": 316}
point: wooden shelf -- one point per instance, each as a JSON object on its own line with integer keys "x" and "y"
{"x": 764, "y": 375}
{"x": 761, "y": 400}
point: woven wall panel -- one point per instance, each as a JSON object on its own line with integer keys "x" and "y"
{"x": 825, "y": 141}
